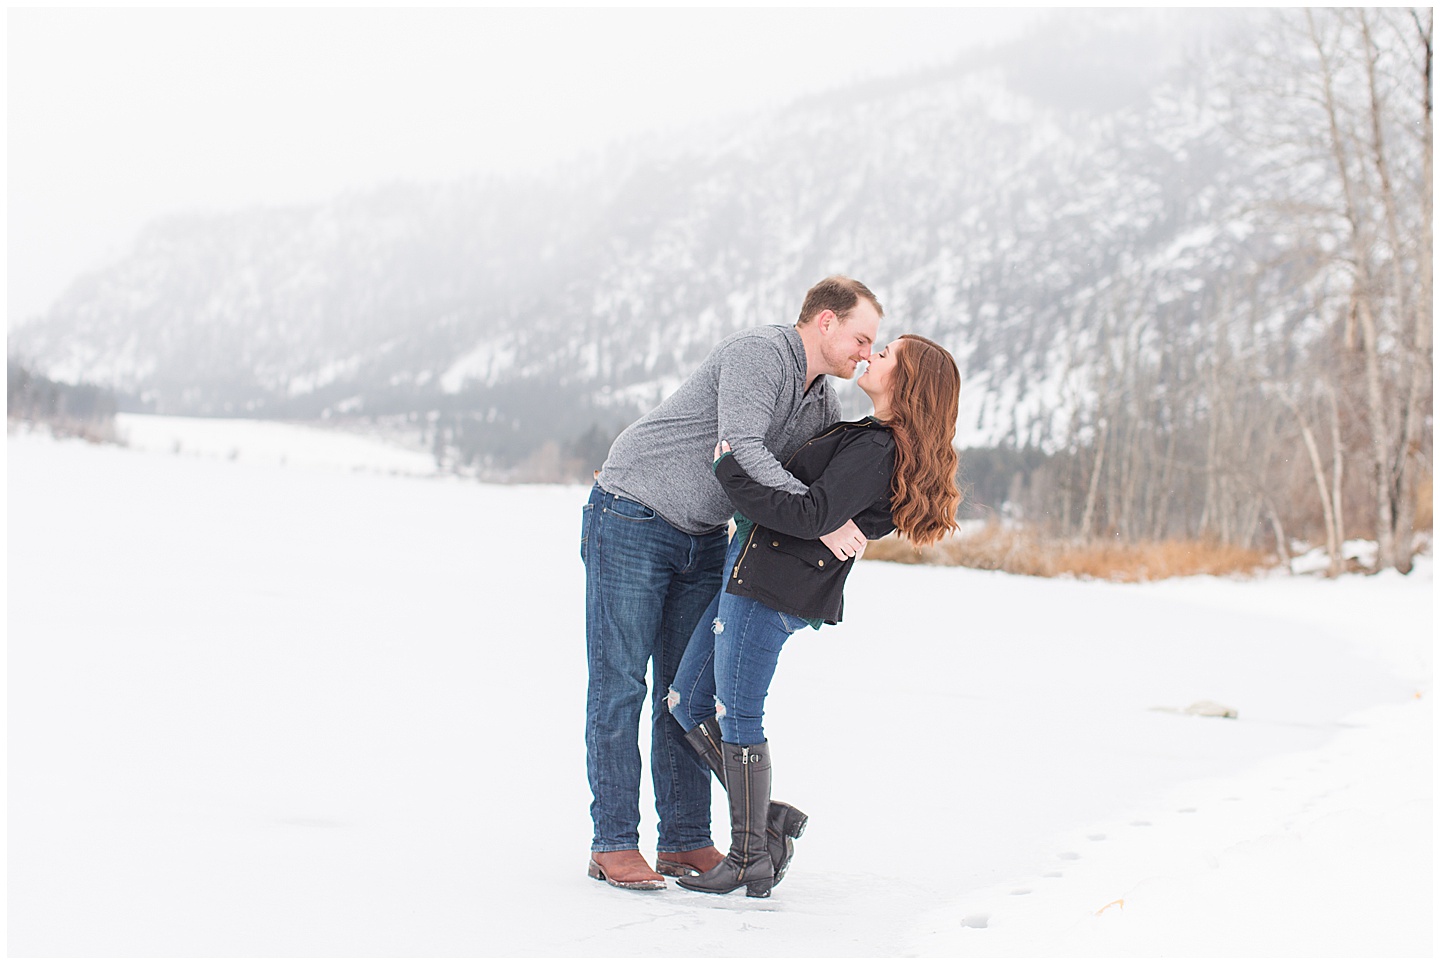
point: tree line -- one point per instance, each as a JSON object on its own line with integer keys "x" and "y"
{"x": 78, "y": 410}
{"x": 1301, "y": 405}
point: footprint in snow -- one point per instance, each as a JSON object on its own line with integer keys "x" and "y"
{"x": 1188, "y": 810}
{"x": 1097, "y": 837}
{"x": 1068, "y": 856}
{"x": 1140, "y": 824}
{"x": 1021, "y": 891}
{"x": 1053, "y": 874}
{"x": 976, "y": 921}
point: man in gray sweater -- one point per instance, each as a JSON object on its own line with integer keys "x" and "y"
{"x": 654, "y": 540}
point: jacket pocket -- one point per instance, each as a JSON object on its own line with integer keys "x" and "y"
{"x": 815, "y": 554}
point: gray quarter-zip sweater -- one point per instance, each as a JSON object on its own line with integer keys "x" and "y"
{"x": 749, "y": 391}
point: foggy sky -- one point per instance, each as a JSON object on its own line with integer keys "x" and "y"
{"x": 116, "y": 117}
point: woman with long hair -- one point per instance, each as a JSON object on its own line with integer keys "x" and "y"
{"x": 893, "y": 470}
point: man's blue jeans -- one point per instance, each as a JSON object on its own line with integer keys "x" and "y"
{"x": 730, "y": 662}
{"x": 646, "y": 586}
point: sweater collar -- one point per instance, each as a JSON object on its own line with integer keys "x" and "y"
{"x": 797, "y": 348}
{"x": 797, "y": 353}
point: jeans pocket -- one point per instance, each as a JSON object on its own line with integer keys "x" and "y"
{"x": 790, "y": 622}
{"x": 584, "y": 530}
{"x": 631, "y": 510}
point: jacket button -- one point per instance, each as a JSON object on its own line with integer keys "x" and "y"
{"x": 821, "y": 562}
{"x": 774, "y": 542}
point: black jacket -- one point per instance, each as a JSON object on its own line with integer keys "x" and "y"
{"x": 848, "y": 468}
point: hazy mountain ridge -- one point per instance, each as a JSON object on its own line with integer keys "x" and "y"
{"x": 993, "y": 205}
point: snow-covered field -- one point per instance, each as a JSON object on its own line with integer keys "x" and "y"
{"x": 269, "y": 443}
{"x": 288, "y": 710}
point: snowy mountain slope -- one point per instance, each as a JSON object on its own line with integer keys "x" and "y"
{"x": 1007, "y": 206}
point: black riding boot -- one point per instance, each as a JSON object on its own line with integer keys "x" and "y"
{"x": 785, "y": 821}
{"x": 747, "y": 784}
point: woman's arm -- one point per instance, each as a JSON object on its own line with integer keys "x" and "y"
{"x": 856, "y": 477}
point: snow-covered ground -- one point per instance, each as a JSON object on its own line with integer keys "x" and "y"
{"x": 270, "y": 443}
{"x": 289, "y": 710}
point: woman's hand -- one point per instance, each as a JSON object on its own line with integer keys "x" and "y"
{"x": 846, "y": 542}
{"x": 721, "y": 448}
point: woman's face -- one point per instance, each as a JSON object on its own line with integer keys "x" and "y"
{"x": 876, "y": 380}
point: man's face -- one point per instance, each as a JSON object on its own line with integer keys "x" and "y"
{"x": 845, "y": 342}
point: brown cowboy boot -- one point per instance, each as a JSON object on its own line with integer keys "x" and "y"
{"x": 696, "y": 862}
{"x": 624, "y": 869}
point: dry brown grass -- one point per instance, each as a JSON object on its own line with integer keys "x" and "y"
{"x": 93, "y": 431}
{"x": 1424, "y": 506}
{"x": 1019, "y": 551}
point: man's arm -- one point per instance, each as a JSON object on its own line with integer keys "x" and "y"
{"x": 753, "y": 376}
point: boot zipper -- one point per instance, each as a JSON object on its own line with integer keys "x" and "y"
{"x": 745, "y": 769}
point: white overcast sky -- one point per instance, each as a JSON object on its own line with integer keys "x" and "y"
{"x": 118, "y": 116}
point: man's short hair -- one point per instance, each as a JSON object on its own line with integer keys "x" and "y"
{"x": 837, "y": 294}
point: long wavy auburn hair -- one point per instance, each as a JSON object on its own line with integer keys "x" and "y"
{"x": 924, "y": 406}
